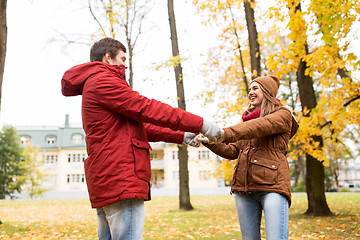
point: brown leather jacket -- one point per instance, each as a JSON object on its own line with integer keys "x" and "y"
{"x": 260, "y": 146}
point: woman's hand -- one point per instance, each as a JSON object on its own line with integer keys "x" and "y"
{"x": 201, "y": 139}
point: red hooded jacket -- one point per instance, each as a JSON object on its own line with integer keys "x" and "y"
{"x": 119, "y": 123}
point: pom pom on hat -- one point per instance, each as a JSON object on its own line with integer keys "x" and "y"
{"x": 270, "y": 83}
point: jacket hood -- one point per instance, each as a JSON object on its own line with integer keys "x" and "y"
{"x": 73, "y": 81}
{"x": 294, "y": 127}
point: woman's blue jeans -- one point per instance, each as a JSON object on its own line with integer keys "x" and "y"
{"x": 276, "y": 210}
{"x": 123, "y": 220}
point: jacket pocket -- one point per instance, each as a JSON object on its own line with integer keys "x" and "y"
{"x": 264, "y": 171}
{"x": 141, "y": 151}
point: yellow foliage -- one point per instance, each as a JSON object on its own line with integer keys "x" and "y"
{"x": 333, "y": 20}
{"x": 316, "y": 33}
{"x": 171, "y": 62}
{"x": 225, "y": 169}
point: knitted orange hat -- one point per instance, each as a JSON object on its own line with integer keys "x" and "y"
{"x": 270, "y": 83}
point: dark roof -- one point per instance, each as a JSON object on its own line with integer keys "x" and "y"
{"x": 63, "y": 136}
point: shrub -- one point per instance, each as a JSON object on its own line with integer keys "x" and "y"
{"x": 299, "y": 187}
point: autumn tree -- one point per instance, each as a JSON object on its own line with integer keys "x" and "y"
{"x": 11, "y": 158}
{"x": 184, "y": 194}
{"x": 3, "y": 40}
{"x": 298, "y": 50}
{"x": 315, "y": 174}
{"x": 123, "y": 17}
{"x": 320, "y": 59}
{"x": 32, "y": 179}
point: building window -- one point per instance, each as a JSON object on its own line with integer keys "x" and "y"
{"x": 153, "y": 156}
{"x": 77, "y": 138}
{"x": 24, "y": 140}
{"x": 76, "y": 158}
{"x": 204, "y": 175}
{"x": 75, "y": 178}
{"x": 204, "y": 155}
{"x": 51, "y": 140}
{"x": 50, "y": 159}
{"x": 175, "y": 155}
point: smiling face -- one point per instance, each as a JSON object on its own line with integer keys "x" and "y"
{"x": 256, "y": 95}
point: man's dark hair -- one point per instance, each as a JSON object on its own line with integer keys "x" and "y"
{"x": 103, "y": 46}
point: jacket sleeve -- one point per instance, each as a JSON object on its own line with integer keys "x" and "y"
{"x": 229, "y": 151}
{"x": 158, "y": 134}
{"x": 278, "y": 122}
{"x": 114, "y": 94}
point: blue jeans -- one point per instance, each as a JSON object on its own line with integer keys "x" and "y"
{"x": 123, "y": 220}
{"x": 276, "y": 210}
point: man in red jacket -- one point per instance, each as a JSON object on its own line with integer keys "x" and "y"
{"x": 119, "y": 124}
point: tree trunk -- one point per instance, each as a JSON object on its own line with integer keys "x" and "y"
{"x": 299, "y": 170}
{"x": 315, "y": 175}
{"x": 302, "y": 169}
{"x": 315, "y": 188}
{"x": 240, "y": 52}
{"x": 131, "y": 54}
{"x": 306, "y": 89}
{"x": 130, "y": 46}
{"x": 3, "y": 40}
{"x": 184, "y": 192}
{"x": 253, "y": 39}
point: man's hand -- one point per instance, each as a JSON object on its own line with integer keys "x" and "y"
{"x": 189, "y": 139}
{"x": 212, "y": 132}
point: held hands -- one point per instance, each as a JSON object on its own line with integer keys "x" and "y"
{"x": 190, "y": 139}
{"x": 194, "y": 140}
{"x": 201, "y": 139}
{"x": 212, "y": 132}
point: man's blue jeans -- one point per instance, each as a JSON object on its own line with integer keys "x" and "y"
{"x": 123, "y": 220}
{"x": 276, "y": 210}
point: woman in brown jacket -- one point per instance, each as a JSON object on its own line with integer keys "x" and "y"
{"x": 261, "y": 179}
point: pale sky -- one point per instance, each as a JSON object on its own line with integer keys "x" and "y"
{"x": 36, "y": 60}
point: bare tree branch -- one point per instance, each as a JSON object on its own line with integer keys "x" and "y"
{"x": 352, "y": 100}
{"x": 95, "y": 18}
{"x": 240, "y": 52}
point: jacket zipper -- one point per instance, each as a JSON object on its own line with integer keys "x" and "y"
{"x": 248, "y": 168}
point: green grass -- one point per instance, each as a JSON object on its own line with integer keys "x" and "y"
{"x": 213, "y": 217}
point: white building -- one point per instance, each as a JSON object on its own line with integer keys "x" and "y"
{"x": 202, "y": 164}
{"x": 63, "y": 152}
{"x": 349, "y": 175}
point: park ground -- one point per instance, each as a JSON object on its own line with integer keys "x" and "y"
{"x": 213, "y": 217}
